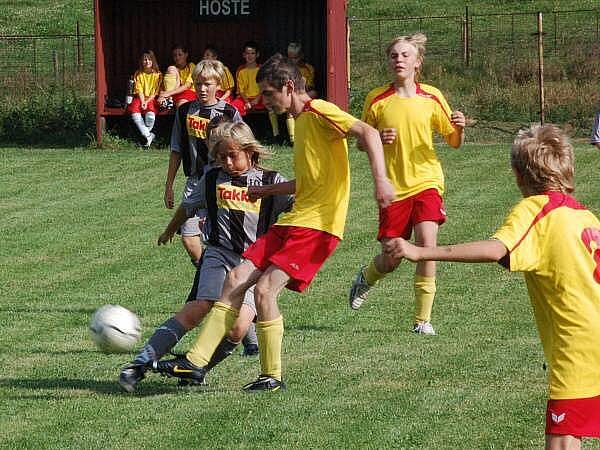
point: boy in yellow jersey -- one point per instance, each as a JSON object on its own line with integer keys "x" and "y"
{"x": 226, "y": 87}
{"x": 555, "y": 242}
{"x": 293, "y": 250}
{"x": 249, "y": 97}
{"x": 406, "y": 113}
{"x": 182, "y": 89}
{"x": 296, "y": 55}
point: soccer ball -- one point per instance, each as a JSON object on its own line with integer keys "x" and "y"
{"x": 115, "y": 329}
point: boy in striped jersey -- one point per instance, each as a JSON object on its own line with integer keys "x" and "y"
{"x": 555, "y": 242}
{"x": 293, "y": 250}
{"x": 234, "y": 221}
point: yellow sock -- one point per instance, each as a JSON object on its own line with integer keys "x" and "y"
{"x": 291, "y": 126}
{"x": 274, "y": 123}
{"x": 217, "y": 324}
{"x": 424, "y": 294}
{"x": 371, "y": 274}
{"x": 270, "y": 338}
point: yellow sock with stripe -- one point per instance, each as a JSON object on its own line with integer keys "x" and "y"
{"x": 217, "y": 324}
{"x": 291, "y": 126}
{"x": 270, "y": 339}
{"x": 274, "y": 123}
{"x": 371, "y": 274}
{"x": 424, "y": 294}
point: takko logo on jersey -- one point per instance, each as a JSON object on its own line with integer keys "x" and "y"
{"x": 235, "y": 197}
{"x": 196, "y": 126}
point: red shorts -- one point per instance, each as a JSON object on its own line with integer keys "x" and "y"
{"x": 298, "y": 251}
{"x": 136, "y": 106}
{"x": 240, "y": 105}
{"x": 579, "y": 417}
{"x": 188, "y": 95}
{"x": 398, "y": 219}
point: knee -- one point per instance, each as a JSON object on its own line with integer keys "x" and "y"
{"x": 237, "y": 332}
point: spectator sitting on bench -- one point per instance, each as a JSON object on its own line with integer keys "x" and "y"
{"x": 226, "y": 88}
{"x": 182, "y": 89}
{"x": 147, "y": 81}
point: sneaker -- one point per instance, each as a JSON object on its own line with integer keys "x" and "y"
{"x": 149, "y": 140}
{"x": 264, "y": 383}
{"x": 180, "y": 368}
{"x": 424, "y": 328}
{"x": 131, "y": 375}
{"x": 250, "y": 350}
{"x": 359, "y": 290}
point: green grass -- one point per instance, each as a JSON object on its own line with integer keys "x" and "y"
{"x": 79, "y": 230}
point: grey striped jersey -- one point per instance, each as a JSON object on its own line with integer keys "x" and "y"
{"x": 233, "y": 221}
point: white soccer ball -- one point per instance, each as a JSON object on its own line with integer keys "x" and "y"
{"x": 115, "y": 329}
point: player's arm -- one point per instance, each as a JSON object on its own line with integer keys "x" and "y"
{"x": 174, "y": 162}
{"x": 457, "y": 138}
{"x": 491, "y": 250}
{"x": 369, "y": 140}
{"x": 285, "y": 188}
{"x": 180, "y": 216}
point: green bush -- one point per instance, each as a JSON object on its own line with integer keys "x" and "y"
{"x": 47, "y": 119}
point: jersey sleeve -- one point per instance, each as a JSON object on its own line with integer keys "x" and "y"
{"x": 441, "y": 116}
{"x": 368, "y": 114}
{"x": 197, "y": 198}
{"x": 333, "y": 117}
{"x": 176, "y": 134}
{"x": 228, "y": 82}
{"x": 138, "y": 83}
{"x": 519, "y": 237}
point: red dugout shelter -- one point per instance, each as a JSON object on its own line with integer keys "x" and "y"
{"x": 124, "y": 29}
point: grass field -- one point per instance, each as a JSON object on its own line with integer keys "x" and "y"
{"x": 79, "y": 230}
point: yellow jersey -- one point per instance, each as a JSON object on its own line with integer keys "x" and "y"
{"x": 246, "y": 82}
{"x": 321, "y": 168}
{"x": 147, "y": 83}
{"x": 411, "y": 162}
{"x": 555, "y": 242}
{"x": 185, "y": 75}
{"x": 228, "y": 83}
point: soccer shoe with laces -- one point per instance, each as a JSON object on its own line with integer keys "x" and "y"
{"x": 131, "y": 375}
{"x": 264, "y": 383}
{"x": 359, "y": 290}
{"x": 424, "y": 328}
{"x": 180, "y": 368}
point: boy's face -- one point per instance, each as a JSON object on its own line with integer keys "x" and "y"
{"x": 276, "y": 100}
{"x": 179, "y": 57}
{"x": 232, "y": 159}
{"x": 403, "y": 60}
{"x": 250, "y": 54}
{"x": 206, "y": 90}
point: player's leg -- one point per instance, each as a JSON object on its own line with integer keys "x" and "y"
{"x": 269, "y": 329}
{"x": 424, "y": 281}
{"x": 562, "y": 442}
{"x": 190, "y": 238}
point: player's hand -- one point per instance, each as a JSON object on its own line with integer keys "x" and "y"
{"x": 384, "y": 192}
{"x": 399, "y": 248}
{"x": 169, "y": 201}
{"x": 165, "y": 238}
{"x": 145, "y": 104}
{"x": 256, "y": 192}
{"x": 458, "y": 119}
{"x": 388, "y": 135}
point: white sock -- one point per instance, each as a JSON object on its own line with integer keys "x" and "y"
{"x": 150, "y": 118}
{"x": 139, "y": 123}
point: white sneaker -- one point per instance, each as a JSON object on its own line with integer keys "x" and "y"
{"x": 359, "y": 290}
{"x": 424, "y": 328}
{"x": 149, "y": 140}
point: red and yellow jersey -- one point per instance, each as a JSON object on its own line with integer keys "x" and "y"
{"x": 185, "y": 75}
{"x": 147, "y": 83}
{"x": 321, "y": 168}
{"x": 308, "y": 72}
{"x": 246, "y": 82}
{"x": 555, "y": 241}
{"x": 411, "y": 162}
{"x": 228, "y": 83}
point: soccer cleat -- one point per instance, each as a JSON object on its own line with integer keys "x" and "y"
{"x": 149, "y": 140}
{"x": 424, "y": 328}
{"x": 264, "y": 383}
{"x": 131, "y": 375}
{"x": 180, "y": 368}
{"x": 359, "y": 290}
{"x": 250, "y": 350}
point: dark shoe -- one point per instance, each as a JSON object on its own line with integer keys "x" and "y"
{"x": 131, "y": 375}
{"x": 250, "y": 350}
{"x": 180, "y": 368}
{"x": 264, "y": 383}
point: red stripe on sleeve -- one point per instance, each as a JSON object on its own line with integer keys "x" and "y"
{"x": 433, "y": 97}
{"x": 389, "y": 91}
{"x": 308, "y": 108}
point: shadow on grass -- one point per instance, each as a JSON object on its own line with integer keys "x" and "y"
{"x": 63, "y": 385}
